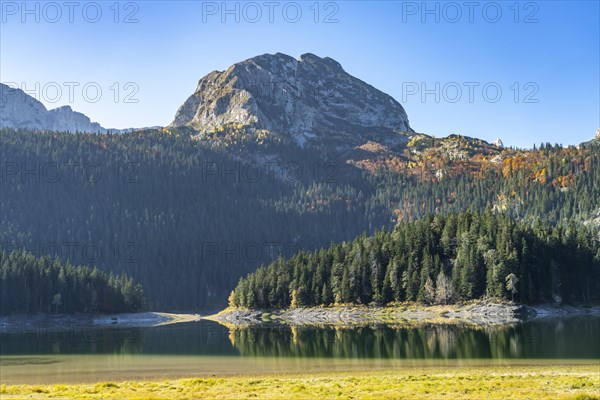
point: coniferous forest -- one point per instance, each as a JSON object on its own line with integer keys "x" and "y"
{"x": 32, "y": 284}
{"x": 187, "y": 218}
{"x": 436, "y": 260}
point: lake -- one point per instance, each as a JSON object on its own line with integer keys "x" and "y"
{"x": 53, "y": 354}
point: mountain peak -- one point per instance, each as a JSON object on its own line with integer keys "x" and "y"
{"x": 305, "y": 97}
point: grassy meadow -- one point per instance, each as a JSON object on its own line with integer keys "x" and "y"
{"x": 556, "y": 382}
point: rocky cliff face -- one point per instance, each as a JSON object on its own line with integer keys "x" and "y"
{"x": 302, "y": 98}
{"x": 19, "y": 110}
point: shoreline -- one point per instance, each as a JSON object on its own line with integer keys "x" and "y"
{"x": 58, "y": 322}
{"x": 482, "y": 313}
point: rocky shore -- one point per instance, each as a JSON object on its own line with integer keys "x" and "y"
{"x": 478, "y": 313}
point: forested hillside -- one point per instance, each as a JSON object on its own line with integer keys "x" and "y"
{"x": 30, "y": 284}
{"x": 149, "y": 204}
{"x": 187, "y": 217}
{"x": 440, "y": 260}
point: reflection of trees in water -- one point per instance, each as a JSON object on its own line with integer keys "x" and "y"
{"x": 440, "y": 340}
{"x": 565, "y": 338}
{"x": 133, "y": 343}
{"x": 427, "y": 341}
{"x": 74, "y": 340}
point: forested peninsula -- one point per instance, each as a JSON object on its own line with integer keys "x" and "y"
{"x": 437, "y": 260}
{"x": 30, "y": 284}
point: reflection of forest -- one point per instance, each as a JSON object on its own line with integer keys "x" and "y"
{"x": 432, "y": 341}
{"x": 58, "y": 339}
{"x": 534, "y": 340}
{"x": 191, "y": 338}
{"x": 567, "y": 338}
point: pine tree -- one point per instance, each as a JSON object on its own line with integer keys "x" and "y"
{"x": 511, "y": 284}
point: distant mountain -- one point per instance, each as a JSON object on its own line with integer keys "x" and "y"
{"x": 20, "y": 110}
{"x": 310, "y": 100}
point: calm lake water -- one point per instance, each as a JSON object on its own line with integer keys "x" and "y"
{"x": 78, "y": 354}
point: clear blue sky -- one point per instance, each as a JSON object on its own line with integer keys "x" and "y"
{"x": 550, "y": 49}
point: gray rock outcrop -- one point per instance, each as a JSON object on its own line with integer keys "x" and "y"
{"x": 302, "y": 98}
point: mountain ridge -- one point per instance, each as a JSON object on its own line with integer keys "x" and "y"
{"x": 20, "y": 110}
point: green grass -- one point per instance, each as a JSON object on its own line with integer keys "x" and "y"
{"x": 489, "y": 383}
